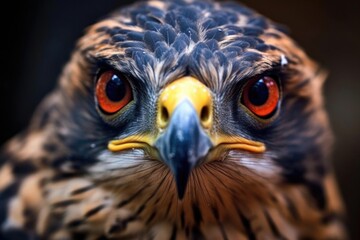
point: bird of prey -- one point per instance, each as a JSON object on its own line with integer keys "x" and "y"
{"x": 184, "y": 119}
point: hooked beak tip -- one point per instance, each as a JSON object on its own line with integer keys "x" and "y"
{"x": 181, "y": 183}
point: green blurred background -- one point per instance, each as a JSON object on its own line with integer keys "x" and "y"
{"x": 39, "y": 36}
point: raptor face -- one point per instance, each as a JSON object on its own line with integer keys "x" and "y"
{"x": 183, "y": 119}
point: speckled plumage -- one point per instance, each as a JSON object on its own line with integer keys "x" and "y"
{"x": 58, "y": 180}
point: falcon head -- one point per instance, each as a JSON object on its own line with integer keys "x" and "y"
{"x": 184, "y": 105}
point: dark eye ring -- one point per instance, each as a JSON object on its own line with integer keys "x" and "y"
{"x": 113, "y": 92}
{"x": 261, "y": 96}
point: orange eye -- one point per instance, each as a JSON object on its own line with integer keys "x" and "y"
{"x": 261, "y": 96}
{"x": 113, "y": 92}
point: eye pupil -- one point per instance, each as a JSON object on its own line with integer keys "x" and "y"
{"x": 115, "y": 89}
{"x": 258, "y": 93}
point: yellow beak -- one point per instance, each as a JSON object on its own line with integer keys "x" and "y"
{"x": 185, "y": 124}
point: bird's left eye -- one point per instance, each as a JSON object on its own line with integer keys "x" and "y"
{"x": 261, "y": 96}
{"x": 113, "y": 92}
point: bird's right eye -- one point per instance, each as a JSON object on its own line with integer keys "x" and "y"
{"x": 113, "y": 92}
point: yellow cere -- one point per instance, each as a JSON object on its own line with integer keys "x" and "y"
{"x": 186, "y": 88}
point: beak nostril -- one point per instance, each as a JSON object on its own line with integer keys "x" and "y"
{"x": 205, "y": 114}
{"x": 164, "y": 115}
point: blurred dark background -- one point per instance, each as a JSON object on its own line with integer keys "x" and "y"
{"x": 39, "y": 35}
